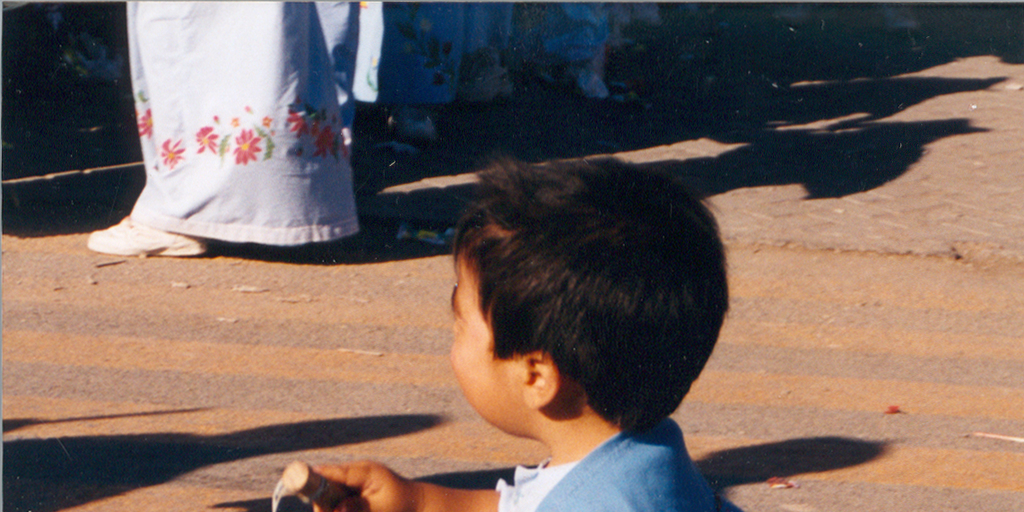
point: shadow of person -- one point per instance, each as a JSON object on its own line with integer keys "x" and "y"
{"x": 873, "y": 99}
{"x": 833, "y": 162}
{"x": 52, "y": 474}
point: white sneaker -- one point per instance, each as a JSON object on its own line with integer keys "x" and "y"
{"x": 131, "y": 239}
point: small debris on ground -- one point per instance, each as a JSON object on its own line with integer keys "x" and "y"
{"x": 777, "y": 482}
{"x": 998, "y": 436}
{"x": 407, "y": 232}
{"x": 361, "y": 352}
{"x": 248, "y": 289}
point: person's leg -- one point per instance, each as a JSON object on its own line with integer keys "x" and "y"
{"x": 371, "y": 35}
{"x": 240, "y": 124}
{"x": 483, "y": 74}
{"x": 420, "y": 56}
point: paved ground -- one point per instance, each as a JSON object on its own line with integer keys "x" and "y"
{"x": 869, "y": 185}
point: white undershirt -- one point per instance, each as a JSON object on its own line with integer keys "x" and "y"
{"x": 531, "y": 486}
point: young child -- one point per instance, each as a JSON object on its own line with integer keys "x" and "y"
{"x": 589, "y": 296}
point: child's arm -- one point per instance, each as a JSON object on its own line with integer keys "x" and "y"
{"x": 378, "y": 489}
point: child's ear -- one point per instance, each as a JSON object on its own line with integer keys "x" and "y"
{"x": 542, "y": 380}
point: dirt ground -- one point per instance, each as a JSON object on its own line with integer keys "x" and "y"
{"x": 136, "y": 383}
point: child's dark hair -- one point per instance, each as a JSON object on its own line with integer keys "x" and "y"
{"x": 617, "y": 273}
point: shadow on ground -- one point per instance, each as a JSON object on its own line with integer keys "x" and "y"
{"x": 758, "y": 463}
{"x": 804, "y": 96}
{"x": 49, "y": 474}
{"x": 724, "y": 469}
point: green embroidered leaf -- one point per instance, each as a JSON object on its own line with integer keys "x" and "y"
{"x": 224, "y": 143}
{"x": 270, "y": 143}
{"x": 142, "y": 97}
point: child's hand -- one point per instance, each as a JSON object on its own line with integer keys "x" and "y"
{"x": 375, "y": 488}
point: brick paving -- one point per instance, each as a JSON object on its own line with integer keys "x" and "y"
{"x": 963, "y": 197}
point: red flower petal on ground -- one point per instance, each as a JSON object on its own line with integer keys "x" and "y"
{"x": 247, "y": 147}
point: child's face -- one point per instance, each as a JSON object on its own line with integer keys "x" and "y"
{"x": 489, "y": 384}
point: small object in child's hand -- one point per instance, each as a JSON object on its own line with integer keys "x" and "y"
{"x": 893, "y": 409}
{"x": 300, "y": 480}
{"x": 777, "y": 482}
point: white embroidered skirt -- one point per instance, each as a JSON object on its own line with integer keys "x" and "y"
{"x": 240, "y": 123}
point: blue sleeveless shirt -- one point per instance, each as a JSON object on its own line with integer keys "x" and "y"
{"x": 637, "y": 472}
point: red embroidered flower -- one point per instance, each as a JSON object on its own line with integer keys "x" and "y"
{"x": 325, "y": 142}
{"x": 298, "y": 123}
{"x": 248, "y": 147}
{"x": 266, "y": 122}
{"x": 171, "y": 154}
{"x": 207, "y": 140}
{"x": 146, "y": 124}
